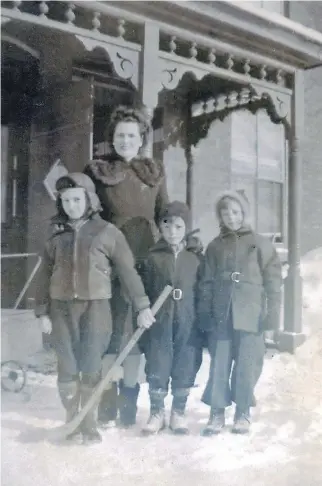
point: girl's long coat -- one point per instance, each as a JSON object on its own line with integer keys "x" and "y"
{"x": 132, "y": 196}
{"x": 256, "y": 299}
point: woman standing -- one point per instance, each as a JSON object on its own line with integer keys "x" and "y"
{"x": 132, "y": 191}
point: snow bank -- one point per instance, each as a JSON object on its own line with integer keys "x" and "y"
{"x": 311, "y": 272}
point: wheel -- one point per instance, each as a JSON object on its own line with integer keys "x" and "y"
{"x": 13, "y": 376}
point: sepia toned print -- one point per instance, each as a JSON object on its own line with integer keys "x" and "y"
{"x": 161, "y": 242}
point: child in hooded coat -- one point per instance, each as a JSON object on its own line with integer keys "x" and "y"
{"x": 171, "y": 345}
{"x": 239, "y": 298}
{"x": 74, "y": 290}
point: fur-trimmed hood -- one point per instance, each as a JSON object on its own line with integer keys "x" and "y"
{"x": 111, "y": 170}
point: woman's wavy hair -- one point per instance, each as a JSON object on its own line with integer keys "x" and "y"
{"x": 129, "y": 114}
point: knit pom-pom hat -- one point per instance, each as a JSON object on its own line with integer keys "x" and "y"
{"x": 176, "y": 208}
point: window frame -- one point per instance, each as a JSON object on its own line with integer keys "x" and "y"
{"x": 283, "y": 235}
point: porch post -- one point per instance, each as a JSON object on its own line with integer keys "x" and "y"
{"x": 149, "y": 81}
{"x": 292, "y": 336}
{"x": 190, "y": 162}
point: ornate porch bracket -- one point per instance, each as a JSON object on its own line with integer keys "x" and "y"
{"x": 172, "y": 68}
{"x": 124, "y": 60}
{"x": 279, "y": 102}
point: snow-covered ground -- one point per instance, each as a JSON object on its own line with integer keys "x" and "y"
{"x": 283, "y": 449}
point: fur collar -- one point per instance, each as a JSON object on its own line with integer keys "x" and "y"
{"x": 112, "y": 170}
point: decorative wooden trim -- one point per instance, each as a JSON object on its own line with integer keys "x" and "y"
{"x": 280, "y": 102}
{"x": 70, "y": 26}
{"x": 278, "y": 105}
{"x": 20, "y": 44}
{"x": 173, "y": 67}
{"x": 210, "y": 23}
{"x": 125, "y": 61}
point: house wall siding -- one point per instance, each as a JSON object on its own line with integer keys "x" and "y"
{"x": 310, "y": 15}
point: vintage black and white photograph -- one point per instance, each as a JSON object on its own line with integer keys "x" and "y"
{"x": 161, "y": 243}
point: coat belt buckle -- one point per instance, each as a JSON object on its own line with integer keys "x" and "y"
{"x": 235, "y": 277}
{"x": 177, "y": 294}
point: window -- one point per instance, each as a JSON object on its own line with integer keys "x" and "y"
{"x": 258, "y": 166}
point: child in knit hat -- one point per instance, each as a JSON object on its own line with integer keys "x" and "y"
{"x": 170, "y": 345}
{"x": 239, "y": 298}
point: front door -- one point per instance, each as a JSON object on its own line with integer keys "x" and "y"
{"x": 14, "y": 210}
{"x": 19, "y": 76}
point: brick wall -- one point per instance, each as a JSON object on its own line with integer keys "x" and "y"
{"x": 310, "y": 14}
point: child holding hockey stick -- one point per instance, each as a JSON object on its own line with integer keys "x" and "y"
{"x": 74, "y": 290}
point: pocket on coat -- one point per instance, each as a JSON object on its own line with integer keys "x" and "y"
{"x": 104, "y": 271}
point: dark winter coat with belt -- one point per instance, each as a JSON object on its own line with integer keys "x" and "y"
{"x": 78, "y": 260}
{"x": 174, "y": 334}
{"x": 241, "y": 270}
{"x": 132, "y": 196}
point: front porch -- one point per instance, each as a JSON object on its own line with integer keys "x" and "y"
{"x": 192, "y": 65}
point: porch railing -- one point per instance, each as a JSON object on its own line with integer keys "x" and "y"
{"x": 31, "y": 276}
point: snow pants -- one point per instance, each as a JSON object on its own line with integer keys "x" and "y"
{"x": 170, "y": 352}
{"x": 81, "y": 334}
{"x": 237, "y": 359}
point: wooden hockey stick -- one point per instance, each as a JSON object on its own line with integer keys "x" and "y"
{"x": 61, "y": 432}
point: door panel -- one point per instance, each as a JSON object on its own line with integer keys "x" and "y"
{"x": 72, "y": 119}
{"x": 14, "y": 182}
{"x": 61, "y": 129}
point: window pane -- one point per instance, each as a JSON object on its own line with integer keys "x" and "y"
{"x": 271, "y": 148}
{"x": 243, "y": 140}
{"x": 240, "y": 181}
{"x": 270, "y": 210}
{"x": 4, "y": 172}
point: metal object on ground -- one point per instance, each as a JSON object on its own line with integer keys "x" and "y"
{"x": 13, "y": 376}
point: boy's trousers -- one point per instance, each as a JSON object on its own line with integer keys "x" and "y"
{"x": 81, "y": 334}
{"x": 171, "y": 353}
{"x": 235, "y": 355}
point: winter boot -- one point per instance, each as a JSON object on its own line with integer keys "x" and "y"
{"x": 128, "y": 404}
{"x": 89, "y": 424}
{"x": 178, "y": 421}
{"x": 107, "y": 409}
{"x": 241, "y": 422}
{"x": 216, "y": 422}
{"x": 156, "y": 421}
{"x": 70, "y": 397}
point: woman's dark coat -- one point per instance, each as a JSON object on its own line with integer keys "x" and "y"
{"x": 132, "y": 196}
